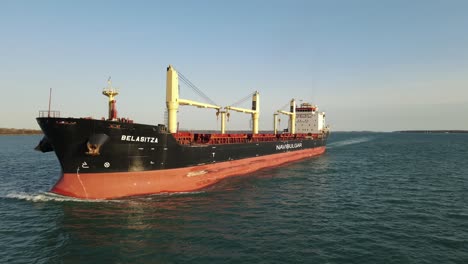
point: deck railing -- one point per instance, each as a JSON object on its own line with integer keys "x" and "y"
{"x": 47, "y": 113}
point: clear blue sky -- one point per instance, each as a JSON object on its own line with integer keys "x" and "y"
{"x": 371, "y": 65}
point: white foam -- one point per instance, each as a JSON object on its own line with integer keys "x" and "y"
{"x": 47, "y": 197}
{"x": 171, "y": 194}
{"x": 52, "y": 197}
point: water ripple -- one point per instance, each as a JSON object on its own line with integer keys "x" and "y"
{"x": 371, "y": 198}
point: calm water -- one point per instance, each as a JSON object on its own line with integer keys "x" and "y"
{"x": 372, "y": 198}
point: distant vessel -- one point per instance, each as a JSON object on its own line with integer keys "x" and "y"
{"x": 115, "y": 157}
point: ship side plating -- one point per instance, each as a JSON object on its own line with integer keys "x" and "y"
{"x": 101, "y": 146}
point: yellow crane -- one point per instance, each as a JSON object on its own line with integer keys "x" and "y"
{"x": 224, "y": 114}
{"x": 255, "y": 111}
{"x": 173, "y": 101}
{"x": 292, "y": 117}
{"x": 275, "y": 123}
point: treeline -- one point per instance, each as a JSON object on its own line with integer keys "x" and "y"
{"x": 433, "y": 131}
{"x": 14, "y": 131}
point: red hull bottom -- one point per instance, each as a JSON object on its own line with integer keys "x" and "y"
{"x": 121, "y": 184}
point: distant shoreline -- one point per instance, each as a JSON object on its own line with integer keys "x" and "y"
{"x": 15, "y": 131}
{"x": 432, "y": 131}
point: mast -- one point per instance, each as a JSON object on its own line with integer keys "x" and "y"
{"x": 256, "y": 108}
{"x": 223, "y": 121}
{"x": 111, "y": 92}
{"x": 172, "y": 98}
{"x": 292, "y": 118}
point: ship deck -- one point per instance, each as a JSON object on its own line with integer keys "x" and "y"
{"x": 190, "y": 138}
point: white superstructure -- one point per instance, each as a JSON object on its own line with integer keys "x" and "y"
{"x": 309, "y": 119}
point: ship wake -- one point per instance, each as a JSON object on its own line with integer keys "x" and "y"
{"x": 347, "y": 142}
{"x": 51, "y": 197}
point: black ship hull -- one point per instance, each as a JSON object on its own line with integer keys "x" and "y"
{"x": 103, "y": 159}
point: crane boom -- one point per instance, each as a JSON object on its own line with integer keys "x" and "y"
{"x": 173, "y": 101}
{"x": 285, "y": 113}
{"x": 241, "y": 110}
{"x": 198, "y": 104}
{"x": 255, "y": 111}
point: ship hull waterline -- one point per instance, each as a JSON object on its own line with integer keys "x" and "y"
{"x": 112, "y": 185}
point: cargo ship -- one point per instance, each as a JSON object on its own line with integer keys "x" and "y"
{"x": 116, "y": 157}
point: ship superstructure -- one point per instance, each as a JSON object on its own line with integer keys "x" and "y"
{"x": 309, "y": 119}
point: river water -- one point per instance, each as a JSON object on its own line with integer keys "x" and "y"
{"x": 372, "y": 198}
